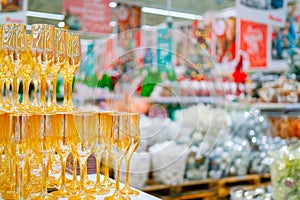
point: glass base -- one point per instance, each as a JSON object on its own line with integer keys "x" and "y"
{"x": 40, "y": 196}
{"x": 82, "y": 197}
{"x": 130, "y": 192}
{"x": 66, "y": 108}
{"x": 24, "y": 108}
{"x": 98, "y": 190}
{"x": 108, "y": 184}
{"x": 117, "y": 196}
{"x": 41, "y": 109}
{"x": 61, "y": 194}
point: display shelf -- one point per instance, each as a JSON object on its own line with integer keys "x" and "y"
{"x": 205, "y": 189}
{"x": 155, "y": 100}
{"x": 268, "y": 108}
{"x": 277, "y": 106}
{"x": 185, "y": 100}
{"x": 225, "y": 184}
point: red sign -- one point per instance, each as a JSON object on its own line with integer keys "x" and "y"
{"x": 88, "y": 15}
{"x": 109, "y": 56}
{"x": 129, "y": 22}
{"x": 253, "y": 41}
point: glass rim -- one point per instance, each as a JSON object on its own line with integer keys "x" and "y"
{"x": 14, "y": 25}
{"x": 125, "y": 114}
{"x": 20, "y": 114}
{"x": 43, "y": 114}
{"x": 83, "y": 113}
{"x": 43, "y": 25}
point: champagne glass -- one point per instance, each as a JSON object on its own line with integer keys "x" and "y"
{"x": 73, "y": 58}
{"x": 106, "y": 126}
{"x": 19, "y": 143}
{"x": 7, "y": 53}
{"x": 72, "y": 185}
{"x": 20, "y": 58}
{"x": 87, "y": 124}
{"x": 64, "y": 129}
{"x": 119, "y": 146}
{"x": 3, "y": 71}
{"x": 14, "y": 43}
{"x": 107, "y": 183}
{"x": 25, "y": 73}
{"x": 3, "y": 134}
{"x": 4, "y": 121}
{"x": 8, "y": 185}
{"x": 44, "y": 143}
{"x": 42, "y": 53}
{"x": 98, "y": 150}
{"x": 59, "y": 59}
{"x": 134, "y": 132}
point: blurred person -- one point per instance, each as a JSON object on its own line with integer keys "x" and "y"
{"x": 230, "y": 38}
{"x": 290, "y": 22}
{"x": 219, "y": 27}
{"x": 284, "y": 40}
{"x": 135, "y": 17}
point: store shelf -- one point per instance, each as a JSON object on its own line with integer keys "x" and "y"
{"x": 205, "y": 189}
{"x": 225, "y": 184}
{"x": 185, "y": 100}
{"x": 268, "y": 108}
{"x": 277, "y": 106}
{"x": 158, "y": 100}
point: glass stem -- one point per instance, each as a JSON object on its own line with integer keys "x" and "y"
{"x": 35, "y": 98}
{"x": 1, "y": 153}
{"x": 82, "y": 175}
{"x": 74, "y": 171}
{"x": 1, "y": 91}
{"x": 127, "y": 177}
{"x": 70, "y": 92}
{"x": 26, "y": 84}
{"x": 43, "y": 92}
{"x": 54, "y": 101}
{"x": 11, "y": 169}
{"x": 65, "y": 101}
{"x": 7, "y": 86}
{"x": 118, "y": 163}
{"x": 49, "y": 99}
{"x": 6, "y": 163}
{"x": 106, "y": 169}
{"x": 98, "y": 163}
{"x": 28, "y": 173}
{"x": 19, "y": 177}
{"x": 45, "y": 176}
{"x": 63, "y": 172}
{"x": 15, "y": 90}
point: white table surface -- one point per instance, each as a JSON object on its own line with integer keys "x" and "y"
{"x": 141, "y": 196}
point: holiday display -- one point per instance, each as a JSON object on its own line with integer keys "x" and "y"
{"x": 282, "y": 90}
{"x": 244, "y": 193}
{"x": 284, "y": 171}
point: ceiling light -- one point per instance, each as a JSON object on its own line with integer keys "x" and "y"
{"x": 171, "y": 13}
{"x": 45, "y": 15}
{"x": 61, "y": 24}
{"x": 112, "y": 23}
{"x": 113, "y": 4}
